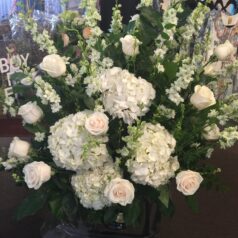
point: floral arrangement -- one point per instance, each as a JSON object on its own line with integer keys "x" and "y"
{"x": 117, "y": 117}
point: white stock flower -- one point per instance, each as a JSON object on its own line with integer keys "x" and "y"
{"x": 124, "y": 95}
{"x": 120, "y": 191}
{"x": 19, "y": 148}
{"x": 223, "y": 51}
{"x": 151, "y": 161}
{"x": 202, "y": 98}
{"x": 188, "y": 182}
{"x": 39, "y": 136}
{"x": 130, "y": 45}
{"x": 89, "y": 186}
{"x": 184, "y": 78}
{"x": 36, "y": 173}
{"x": 47, "y": 94}
{"x": 97, "y": 124}
{"x": 30, "y": 112}
{"x": 54, "y": 65}
{"x": 73, "y": 147}
{"x": 211, "y": 132}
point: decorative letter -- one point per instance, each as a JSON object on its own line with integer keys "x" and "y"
{"x": 4, "y": 65}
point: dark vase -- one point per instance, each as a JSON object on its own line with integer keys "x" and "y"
{"x": 147, "y": 228}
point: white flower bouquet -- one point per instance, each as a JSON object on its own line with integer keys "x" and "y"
{"x": 117, "y": 117}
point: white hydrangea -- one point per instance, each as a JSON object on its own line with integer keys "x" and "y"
{"x": 89, "y": 186}
{"x": 93, "y": 81}
{"x": 73, "y": 147}
{"x": 124, "y": 95}
{"x": 184, "y": 78}
{"x": 151, "y": 161}
{"x": 47, "y": 94}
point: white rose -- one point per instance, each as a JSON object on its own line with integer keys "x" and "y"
{"x": 202, "y": 98}
{"x": 211, "y": 132}
{"x": 130, "y": 45}
{"x": 30, "y": 112}
{"x": 97, "y": 123}
{"x": 213, "y": 69}
{"x": 223, "y": 51}
{"x": 54, "y": 65}
{"x": 36, "y": 173}
{"x": 188, "y": 182}
{"x": 120, "y": 191}
{"x": 18, "y": 148}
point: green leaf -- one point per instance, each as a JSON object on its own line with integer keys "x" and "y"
{"x": 32, "y": 204}
{"x": 70, "y": 205}
{"x": 132, "y": 213}
{"x": 89, "y": 102}
{"x": 153, "y": 17}
{"x": 171, "y": 69}
{"x": 18, "y": 76}
{"x": 169, "y": 26}
{"x": 31, "y": 128}
{"x": 56, "y": 207}
{"x": 192, "y": 203}
{"x": 110, "y": 215}
{"x": 164, "y": 195}
{"x": 165, "y": 36}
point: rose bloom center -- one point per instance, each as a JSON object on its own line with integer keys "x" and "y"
{"x": 119, "y": 193}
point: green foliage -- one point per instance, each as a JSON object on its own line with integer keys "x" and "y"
{"x": 151, "y": 16}
{"x": 133, "y": 212}
{"x": 192, "y": 203}
{"x": 164, "y": 195}
{"x": 32, "y": 204}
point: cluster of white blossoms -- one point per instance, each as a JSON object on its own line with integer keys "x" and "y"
{"x": 77, "y": 141}
{"x": 151, "y": 161}
{"x": 145, "y": 3}
{"x": 124, "y": 95}
{"x": 228, "y": 137}
{"x": 195, "y": 21}
{"x": 41, "y": 38}
{"x": 116, "y": 24}
{"x": 165, "y": 112}
{"x": 89, "y": 185}
{"x": 8, "y": 106}
{"x": 185, "y": 77}
{"x": 47, "y": 94}
{"x": 169, "y": 19}
{"x": 91, "y": 19}
{"x": 39, "y": 136}
{"x": 97, "y": 66}
{"x": 228, "y": 111}
{"x": 71, "y": 80}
